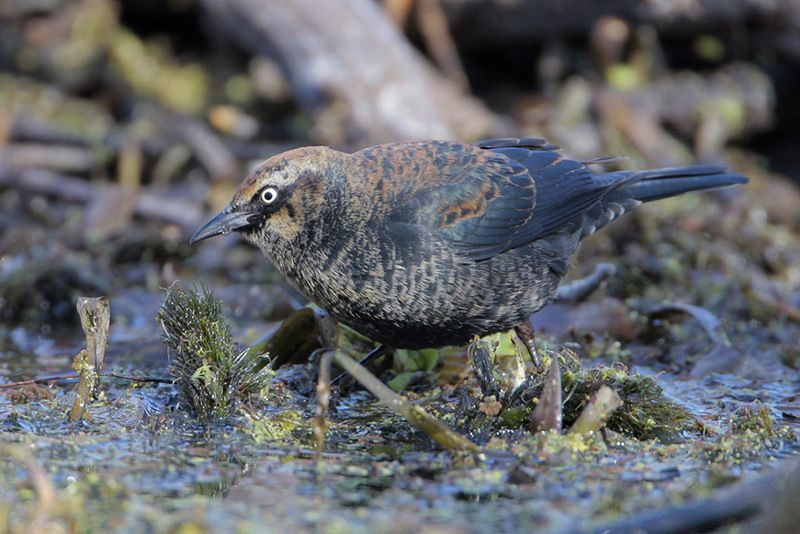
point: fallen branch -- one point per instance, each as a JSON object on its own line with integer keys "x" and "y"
{"x": 64, "y": 158}
{"x": 351, "y": 66}
{"x": 416, "y": 415}
{"x": 148, "y": 205}
{"x": 477, "y": 22}
{"x": 42, "y": 380}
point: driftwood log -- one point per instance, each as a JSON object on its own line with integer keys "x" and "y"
{"x": 353, "y": 69}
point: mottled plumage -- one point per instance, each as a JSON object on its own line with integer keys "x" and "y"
{"x": 429, "y": 243}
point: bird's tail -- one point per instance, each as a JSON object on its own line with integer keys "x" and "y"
{"x": 654, "y": 184}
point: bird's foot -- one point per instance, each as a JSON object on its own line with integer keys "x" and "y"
{"x": 524, "y": 331}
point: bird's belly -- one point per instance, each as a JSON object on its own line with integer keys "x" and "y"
{"x": 434, "y": 302}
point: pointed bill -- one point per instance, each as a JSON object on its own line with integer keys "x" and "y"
{"x": 225, "y": 222}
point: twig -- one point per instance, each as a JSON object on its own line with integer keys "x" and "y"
{"x": 438, "y": 431}
{"x": 602, "y": 404}
{"x": 57, "y": 157}
{"x": 579, "y": 290}
{"x": 432, "y": 23}
{"x": 323, "y": 400}
{"x": 37, "y": 130}
{"x": 43, "y": 380}
{"x": 207, "y": 147}
{"x": 143, "y": 379}
{"x": 75, "y": 376}
{"x": 399, "y": 10}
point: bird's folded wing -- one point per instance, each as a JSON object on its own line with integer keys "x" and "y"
{"x": 485, "y": 201}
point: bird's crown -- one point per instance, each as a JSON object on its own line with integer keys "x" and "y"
{"x": 283, "y": 171}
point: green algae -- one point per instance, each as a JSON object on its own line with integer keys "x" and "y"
{"x": 279, "y": 426}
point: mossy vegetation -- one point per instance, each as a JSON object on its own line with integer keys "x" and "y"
{"x": 212, "y": 374}
{"x": 645, "y": 412}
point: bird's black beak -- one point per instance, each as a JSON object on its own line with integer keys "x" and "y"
{"x": 227, "y": 221}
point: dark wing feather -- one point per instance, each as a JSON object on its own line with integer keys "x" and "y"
{"x": 477, "y": 202}
{"x": 565, "y": 189}
{"x": 498, "y": 195}
{"x": 534, "y": 143}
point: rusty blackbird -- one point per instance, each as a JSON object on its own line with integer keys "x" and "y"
{"x": 429, "y": 243}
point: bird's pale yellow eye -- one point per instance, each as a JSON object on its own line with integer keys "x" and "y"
{"x": 269, "y": 195}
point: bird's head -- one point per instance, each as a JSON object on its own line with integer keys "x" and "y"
{"x": 279, "y": 198}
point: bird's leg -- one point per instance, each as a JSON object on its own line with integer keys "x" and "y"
{"x": 579, "y": 290}
{"x": 524, "y": 331}
{"x": 375, "y": 353}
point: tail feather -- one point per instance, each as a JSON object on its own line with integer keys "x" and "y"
{"x": 663, "y": 183}
{"x": 655, "y": 184}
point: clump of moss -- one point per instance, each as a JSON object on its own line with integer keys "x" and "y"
{"x": 645, "y": 412}
{"x": 745, "y": 447}
{"x": 212, "y": 374}
{"x": 754, "y": 418}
